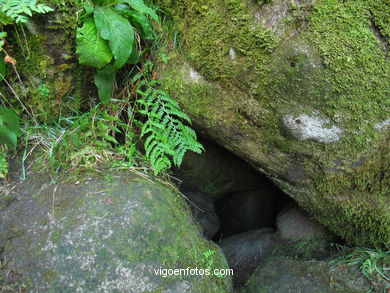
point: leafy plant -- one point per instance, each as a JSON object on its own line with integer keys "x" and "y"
{"x": 208, "y": 261}
{"x": 165, "y": 130}
{"x": 106, "y": 40}
{"x": 3, "y": 164}
{"x": 9, "y": 127}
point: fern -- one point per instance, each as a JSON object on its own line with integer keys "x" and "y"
{"x": 19, "y": 10}
{"x": 165, "y": 132}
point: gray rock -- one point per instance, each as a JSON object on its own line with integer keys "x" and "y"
{"x": 281, "y": 275}
{"x": 247, "y": 210}
{"x": 245, "y": 251}
{"x": 203, "y": 212}
{"x": 96, "y": 235}
{"x": 293, "y": 224}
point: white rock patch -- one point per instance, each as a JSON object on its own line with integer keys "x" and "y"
{"x": 383, "y": 125}
{"x": 195, "y": 76}
{"x": 232, "y": 54}
{"x": 312, "y": 127}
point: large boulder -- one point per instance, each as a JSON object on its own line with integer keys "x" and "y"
{"x": 293, "y": 224}
{"x": 245, "y": 252}
{"x": 299, "y": 90}
{"x": 117, "y": 233}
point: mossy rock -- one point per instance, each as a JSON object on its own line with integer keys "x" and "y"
{"x": 94, "y": 235}
{"x": 47, "y": 78}
{"x": 300, "y": 90}
{"x": 279, "y": 274}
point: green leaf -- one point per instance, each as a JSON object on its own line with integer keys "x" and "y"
{"x": 92, "y": 49}
{"x": 106, "y": 2}
{"x": 134, "y": 57}
{"x": 141, "y": 23}
{"x": 139, "y": 5}
{"x": 2, "y": 67}
{"x": 117, "y": 30}
{"x": 104, "y": 80}
{"x": 88, "y": 11}
{"x": 9, "y": 127}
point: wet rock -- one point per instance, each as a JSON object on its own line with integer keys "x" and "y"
{"x": 203, "y": 212}
{"x": 91, "y": 234}
{"x": 293, "y": 224}
{"x": 281, "y": 275}
{"x": 247, "y": 210}
{"x": 245, "y": 251}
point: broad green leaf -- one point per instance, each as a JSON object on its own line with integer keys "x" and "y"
{"x": 141, "y": 23}
{"x": 104, "y": 81}
{"x": 92, "y": 49}
{"x": 140, "y": 6}
{"x": 88, "y": 11}
{"x": 117, "y": 30}
{"x": 9, "y": 127}
{"x": 2, "y": 67}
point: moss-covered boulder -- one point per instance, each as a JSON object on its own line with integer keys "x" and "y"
{"x": 118, "y": 233}
{"x": 300, "y": 89}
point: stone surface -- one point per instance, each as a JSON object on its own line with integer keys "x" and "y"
{"x": 304, "y": 100}
{"x": 94, "y": 234}
{"x": 247, "y": 210}
{"x": 203, "y": 212}
{"x": 245, "y": 251}
{"x": 293, "y": 224}
{"x": 281, "y": 275}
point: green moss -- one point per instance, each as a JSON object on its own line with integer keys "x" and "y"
{"x": 380, "y": 11}
{"x": 6, "y": 200}
{"x": 44, "y": 50}
{"x": 334, "y": 64}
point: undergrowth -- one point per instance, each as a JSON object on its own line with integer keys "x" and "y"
{"x": 373, "y": 263}
{"x": 136, "y": 125}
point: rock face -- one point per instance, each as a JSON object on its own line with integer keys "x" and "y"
{"x": 245, "y": 252}
{"x": 96, "y": 235}
{"x": 293, "y": 224}
{"x": 52, "y": 84}
{"x": 278, "y": 275}
{"x": 297, "y": 89}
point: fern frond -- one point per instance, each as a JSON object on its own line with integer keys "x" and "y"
{"x": 20, "y": 10}
{"x": 166, "y": 134}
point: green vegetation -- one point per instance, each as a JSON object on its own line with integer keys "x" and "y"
{"x": 114, "y": 35}
{"x": 107, "y": 39}
{"x": 374, "y": 264}
{"x": 164, "y": 130}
